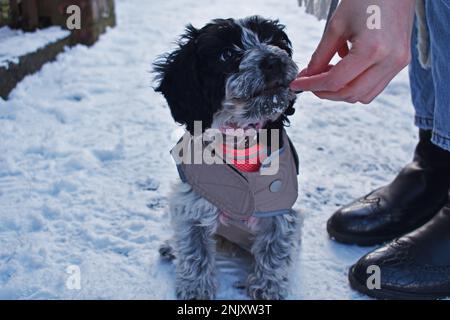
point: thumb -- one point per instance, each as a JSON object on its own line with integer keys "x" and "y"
{"x": 332, "y": 41}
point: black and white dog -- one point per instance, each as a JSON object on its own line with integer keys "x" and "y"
{"x": 228, "y": 74}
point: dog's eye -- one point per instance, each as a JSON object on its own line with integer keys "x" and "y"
{"x": 227, "y": 55}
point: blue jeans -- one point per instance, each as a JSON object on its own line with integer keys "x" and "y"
{"x": 430, "y": 89}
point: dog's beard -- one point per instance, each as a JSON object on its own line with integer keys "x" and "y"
{"x": 249, "y": 101}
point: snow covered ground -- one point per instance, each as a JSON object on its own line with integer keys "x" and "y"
{"x": 85, "y": 168}
{"x": 16, "y": 43}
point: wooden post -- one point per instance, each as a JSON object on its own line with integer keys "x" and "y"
{"x": 96, "y": 16}
{"x": 30, "y": 16}
{"x": 5, "y": 13}
{"x": 14, "y": 10}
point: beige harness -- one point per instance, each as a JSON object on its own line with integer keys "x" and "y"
{"x": 243, "y": 197}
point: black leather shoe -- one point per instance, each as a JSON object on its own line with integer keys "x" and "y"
{"x": 416, "y": 266}
{"x": 415, "y": 196}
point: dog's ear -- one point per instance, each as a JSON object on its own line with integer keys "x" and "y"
{"x": 179, "y": 82}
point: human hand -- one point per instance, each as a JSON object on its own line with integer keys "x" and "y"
{"x": 376, "y": 56}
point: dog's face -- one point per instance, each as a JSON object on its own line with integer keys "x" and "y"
{"x": 230, "y": 74}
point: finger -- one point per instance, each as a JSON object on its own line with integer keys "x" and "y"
{"x": 344, "y": 50}
{"x": 330, "y": 43}
{"x": 337, "y": 77}
{"x": 304, "y": 73}
{"x": 361, "y": 87}
{"x": 326, "y": 95}
{"x": 369, "y": 97}
{"x": 380, "y": 75}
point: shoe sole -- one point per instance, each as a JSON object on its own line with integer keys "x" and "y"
{"x": 369, "y": 241}
{"x": 388, "y": 294}
{"x": 366, "y": 241}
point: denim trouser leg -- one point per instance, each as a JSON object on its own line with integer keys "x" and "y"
{"x": 430, "y": 89}
{"x": 422, "y": 88}
{"x": 438, "y": 15}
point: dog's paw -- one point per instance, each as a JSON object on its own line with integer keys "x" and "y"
{"x": 261, "y": 288}
{"x": 166, "y": 251}
{"x": 204, "y": 289}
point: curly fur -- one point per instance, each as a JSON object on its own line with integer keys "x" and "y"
{"x": 230, "y": 72}
{"x": 273, "y": 250}
{"x": 194, "y": 221}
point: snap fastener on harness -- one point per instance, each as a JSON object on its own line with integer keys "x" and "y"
{"x": 276, "y": 186}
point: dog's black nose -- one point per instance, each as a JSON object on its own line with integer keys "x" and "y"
{"x": 273, "y": 68}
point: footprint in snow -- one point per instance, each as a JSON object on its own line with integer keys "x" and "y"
{"x": 148, "y": 184}
{"x": 157, "y": 203}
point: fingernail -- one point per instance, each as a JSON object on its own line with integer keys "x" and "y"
{"x": 293, "y": 87}
{"x": 304, "y": 72}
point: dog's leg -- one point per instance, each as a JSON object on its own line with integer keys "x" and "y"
{"x": 194, "y": 221}
{"x": 272, "y": 250}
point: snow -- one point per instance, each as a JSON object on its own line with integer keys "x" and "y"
{"x": 85, "y": 168}
{"x": 16, "y": 43}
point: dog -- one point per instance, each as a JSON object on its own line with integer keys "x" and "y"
{"x": 230, "y": 74}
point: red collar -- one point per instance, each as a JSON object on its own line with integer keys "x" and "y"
{"x": 245, "y": 160}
